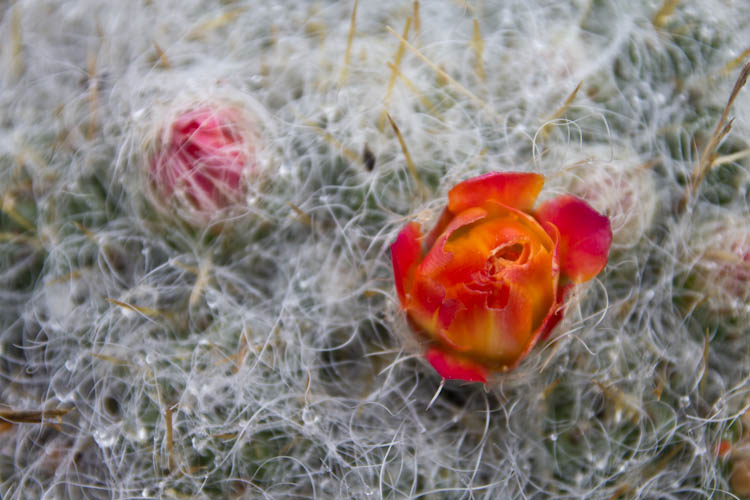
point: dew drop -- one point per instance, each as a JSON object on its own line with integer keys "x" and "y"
{"x": 68, "y": 397}
{"x": 199, "y": 444}
{"x": 618, "y": 416}
{"x": 104, "y": 439}
{"x": 309, "y": 417}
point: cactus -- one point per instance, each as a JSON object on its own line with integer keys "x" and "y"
{"x": 260, "y": 352}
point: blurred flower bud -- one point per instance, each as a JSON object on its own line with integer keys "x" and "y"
{"x": 740, "y": 478}
{"x": 201, "y": 161}
{"x": 722, "y": 247}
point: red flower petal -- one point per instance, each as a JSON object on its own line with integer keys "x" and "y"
{"x": 445, "y": 218}
{"x": 514, "y": 189}
{"x": 585, "y": 236}
{"x": 455, "y": 367}
{"x": 405, "y": 254}
{"x": 556, "y": 313}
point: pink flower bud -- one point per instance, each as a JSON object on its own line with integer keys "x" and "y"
{"x": 722, "y": 246}
{"x": 202, "y": 160}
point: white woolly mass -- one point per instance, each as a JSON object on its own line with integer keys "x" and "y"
{"x": 265, "y": 355}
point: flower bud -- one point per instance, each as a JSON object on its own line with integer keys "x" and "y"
{"x": 740, "y": 478}
{"x": 722, "y": 246}
{"x": 201, "y": 161}
{"x": 489, "y": 280}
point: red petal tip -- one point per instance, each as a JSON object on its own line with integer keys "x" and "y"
{"x": 585, "y": 236}
{"x": 452, "y": 367}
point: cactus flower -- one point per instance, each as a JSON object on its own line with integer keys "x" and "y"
{"x": 201, "y": 164}
{"x": 488, "y": 282}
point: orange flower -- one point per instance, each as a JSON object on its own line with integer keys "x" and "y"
{"x": 488, "y": 282}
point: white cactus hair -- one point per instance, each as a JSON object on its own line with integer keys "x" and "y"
{"x": 265, "y": 355}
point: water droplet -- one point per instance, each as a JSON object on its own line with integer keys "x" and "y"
{"x": 553, "y": 437}
{"x": 684, "y": 401}
{"x": 618, "y": 416}
{"x": 199, "y": 444}
{"x": 309, "y": 417}
{"x": 104, "y": 439}
{"x": 68, "y": 397}
{"x": 71, "y": 364}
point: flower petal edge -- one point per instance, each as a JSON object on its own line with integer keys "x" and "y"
{"x": 453, "y": 367}
{"x": 406, "y": 252}
{"x": 585, "y": 236}
{"x": 515, "y": 189}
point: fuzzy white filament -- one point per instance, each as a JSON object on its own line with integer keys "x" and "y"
{"x": 263, "y": 354}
